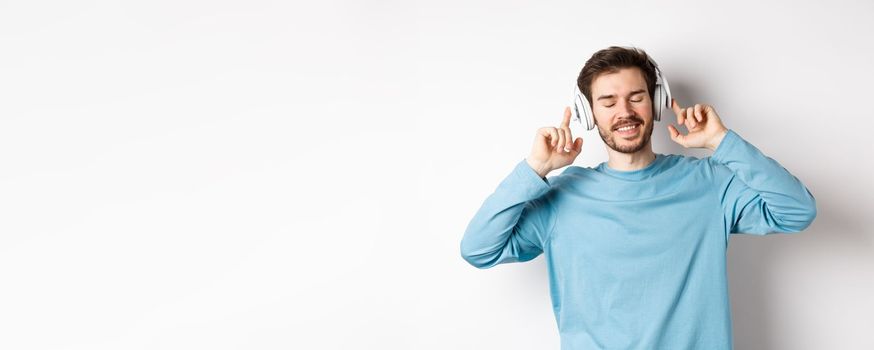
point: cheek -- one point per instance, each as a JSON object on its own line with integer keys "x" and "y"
{"x": 644, "y": 109}
{"x": 600, "y": 119}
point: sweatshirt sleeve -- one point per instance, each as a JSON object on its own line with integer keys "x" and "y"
{"x": 757, "y": 194}
{"x": 513, "y": 223}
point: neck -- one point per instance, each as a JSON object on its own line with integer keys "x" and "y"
{"x": 630, "y": 161}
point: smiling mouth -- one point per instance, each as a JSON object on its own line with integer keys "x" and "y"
{"x": 628, "y": 129}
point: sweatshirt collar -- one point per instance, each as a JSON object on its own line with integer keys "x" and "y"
{"x": 634, "y": 175}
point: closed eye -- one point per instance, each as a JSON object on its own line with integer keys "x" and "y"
{"x": 637, "y": 100}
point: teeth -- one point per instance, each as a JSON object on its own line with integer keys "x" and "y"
{"x": 626, "y": 128}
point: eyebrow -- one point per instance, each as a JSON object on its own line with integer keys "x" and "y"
{"x": 635, "y": 92}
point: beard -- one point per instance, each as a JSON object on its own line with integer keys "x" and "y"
{"x": 610, "y": 138}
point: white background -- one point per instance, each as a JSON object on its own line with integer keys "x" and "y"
{"x": 274, "y": 175}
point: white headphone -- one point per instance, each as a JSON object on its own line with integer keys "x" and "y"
{"x": 661, "y": 100}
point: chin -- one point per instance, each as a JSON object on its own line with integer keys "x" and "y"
{"x": 628, "y": 147}
{"x": 622, "y": 145}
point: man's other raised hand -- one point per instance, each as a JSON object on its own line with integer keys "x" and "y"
{"x": 554, "y": 147}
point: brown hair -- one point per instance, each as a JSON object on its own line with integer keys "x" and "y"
{"x": 610, "y": 60}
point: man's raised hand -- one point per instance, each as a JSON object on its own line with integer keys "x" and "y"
{"x": 704, "y": 125}
{"x": 554, "y": 147}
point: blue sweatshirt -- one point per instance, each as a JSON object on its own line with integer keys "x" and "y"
{"x": 637, "y": 259}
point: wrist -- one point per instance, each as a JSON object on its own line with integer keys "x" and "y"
{"x": 539, "y": 168}
{"x": 715, "y": 141}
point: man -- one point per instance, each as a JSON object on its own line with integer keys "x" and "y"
{"x": 635, "y": 247}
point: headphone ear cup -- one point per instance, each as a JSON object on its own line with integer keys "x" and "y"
{"x": 666, "y": 93}
{"x": 662, "y": 95}
{"x": 590, "y": 116}
{"x": 582, "y": 111}
{"x": 577, "y": 113}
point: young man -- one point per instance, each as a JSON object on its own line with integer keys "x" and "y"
{"x": 635, "y": 247}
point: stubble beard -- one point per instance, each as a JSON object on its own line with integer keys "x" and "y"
{"x": 609, "y": 139}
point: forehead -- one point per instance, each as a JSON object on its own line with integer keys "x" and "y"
{"x": 622, "y": 81}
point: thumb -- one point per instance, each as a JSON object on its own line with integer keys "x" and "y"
{"x": 578, "y": 144}
{"x": 676, "y": 136}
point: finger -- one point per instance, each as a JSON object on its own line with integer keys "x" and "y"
{"x": 553, "y": 137}
{"x": 691, "y": 123}
{"x": 699, "y": 113}
{"x": 560, "y": 143}
{"x": 566, "y": 122}
{"x": 544, "y": 133}
{"x": 709, "y": 111}
{"x": 678, "y": 111}
{"x": 578, "y": 145}
{"x": 673, "y": 132}
{"x": 676, "y": 136}
{"x": 568, "y": 139}
{"x": 691, "y": 116}
{"x": 548, "y": 135}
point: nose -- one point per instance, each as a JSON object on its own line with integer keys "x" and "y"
{"x": 624, "y": 109}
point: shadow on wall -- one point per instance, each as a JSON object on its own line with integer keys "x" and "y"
{"x": 753, "y": 259}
